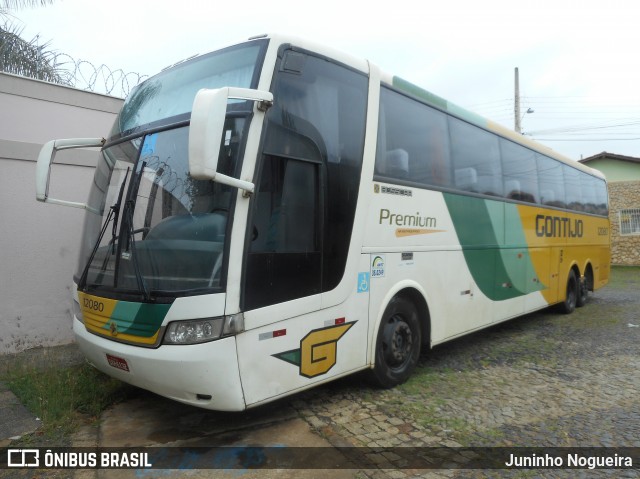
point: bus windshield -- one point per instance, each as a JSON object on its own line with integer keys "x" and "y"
{"x": 152, "y": 230}
{"x": 170, "y": 93}
{"x": 163, "y": 233}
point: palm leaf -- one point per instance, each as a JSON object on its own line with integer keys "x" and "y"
{"x": 6, "y": 5}
{"x": 28, "y": 58}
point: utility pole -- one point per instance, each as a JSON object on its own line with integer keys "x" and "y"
{"x": 516, "y": 104}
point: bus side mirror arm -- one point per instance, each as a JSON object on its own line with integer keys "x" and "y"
{"x": 43, "y": 167}
{"x": 207, "y": 126}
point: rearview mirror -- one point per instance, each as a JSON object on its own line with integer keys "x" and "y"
{"x": 207, "y": 125}
{"x": 43, "y": 167}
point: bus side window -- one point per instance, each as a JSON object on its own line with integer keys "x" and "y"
{"x": 466, "y": 178}
{"x": 477, "y": 149}
{"x": 602, "y": 197}
{"x": 573, "y": 188}
{"x": 284, "y": 260}
{"x": 319, "y": 117}
{"x": 293, "y": 218}
{"x": 413, "y": 141}
{"x": 551, "y": 181}
{"x": 589, "y": 187}
{"x": 397, "y": 163}
{"x": 520, "y": 172}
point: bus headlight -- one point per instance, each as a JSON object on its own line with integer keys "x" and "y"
{"x": 193, "y": 332}
{"x": 203, "y": 330}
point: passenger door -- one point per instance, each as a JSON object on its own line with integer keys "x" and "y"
{"x": 284, "y": 259}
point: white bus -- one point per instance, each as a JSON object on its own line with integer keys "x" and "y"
{"x": 274, "y": 215}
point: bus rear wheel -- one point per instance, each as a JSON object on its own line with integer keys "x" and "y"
{"x": 398, "y": 344}
{"x": 571, "y": 298}
{"x": 586, "y": 285}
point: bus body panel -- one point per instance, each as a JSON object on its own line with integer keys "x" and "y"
{"x": 313, "y": 347}
{"x": 177, "y": 372}
{"x": 480, "y": 261}
{"x": 192, "y": 307}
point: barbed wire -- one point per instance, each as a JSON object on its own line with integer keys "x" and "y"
{"x": 84, "y": 75}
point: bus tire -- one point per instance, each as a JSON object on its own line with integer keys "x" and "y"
{"x": 586, "y": 285}
{"x": 398, "y": 344}
{"x": 571, "y": 298}
{"x": 583, "y": 293}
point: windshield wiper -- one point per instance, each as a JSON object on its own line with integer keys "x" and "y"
{"x": 114, "y": 213}
{"x": 142, "y": 285}
{"x": 116, "y": 210}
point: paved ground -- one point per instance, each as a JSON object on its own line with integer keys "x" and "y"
{"x": 542, "y": 380}
{"x": 154, "y": 421}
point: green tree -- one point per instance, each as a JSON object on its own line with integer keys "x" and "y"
{"x": 24, "y": 57}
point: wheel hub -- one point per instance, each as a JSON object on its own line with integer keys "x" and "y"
{"x": 398, "y": 342}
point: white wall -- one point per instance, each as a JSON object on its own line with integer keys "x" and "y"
{"x": 38, "y": 241}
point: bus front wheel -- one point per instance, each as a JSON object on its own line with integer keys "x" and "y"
{"x": 571, "y": 298}
{"x": 398, "y": 344}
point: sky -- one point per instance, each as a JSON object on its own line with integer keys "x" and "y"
{"x": 578, "y": 61}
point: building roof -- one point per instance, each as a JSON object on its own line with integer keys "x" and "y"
{"x": 611, "y": 156}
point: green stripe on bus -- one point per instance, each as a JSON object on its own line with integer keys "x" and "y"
{"x": 438, "y": 102}
{"x": 499, "y": 269}
{"x": 420, "y": 93}
{"x": 138, "y": 319}
{"x": 467, "y": 115}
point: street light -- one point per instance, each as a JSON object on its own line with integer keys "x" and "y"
{"x": 517, "y": 117}
{"x": 529, "y": 110}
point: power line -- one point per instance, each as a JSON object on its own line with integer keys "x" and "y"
{"x": 586, "y": 139}
{"x": 577, "y": 128}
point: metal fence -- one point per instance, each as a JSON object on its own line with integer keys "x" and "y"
{"x": 629, "y": 220}
{"x": 84, "y": 75}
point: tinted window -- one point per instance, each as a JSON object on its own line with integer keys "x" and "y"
{"x": 589, "y": 185}
{"x": 550, "y": 182}
{"x": 602, "y": 198}
{"x": 287, "y": 205}
{"x": 594, "y": 195}
{"x": 318, "y": 119}
{"x": 420, "y": 144}
{"x": 520, "y": 172}
{"x": 573, "y": 188}
{"x": 413, "y": 141}
{"x": 320, "y": 110}
{"x": 476, "y": 159}
{"x": 284, "y": 254}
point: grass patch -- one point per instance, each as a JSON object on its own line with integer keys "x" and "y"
{"x": 426, "y": 392}
{"x": 64, "y": 398}
{"x": 426, "y": 382}
{"x": 623, "y": 277}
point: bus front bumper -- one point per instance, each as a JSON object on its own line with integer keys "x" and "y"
{"x": 204, "y": 375}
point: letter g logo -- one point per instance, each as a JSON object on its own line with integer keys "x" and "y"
{"x": 318, "y": 350}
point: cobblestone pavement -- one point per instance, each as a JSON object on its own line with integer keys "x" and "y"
{"x": 544, "y": 380}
